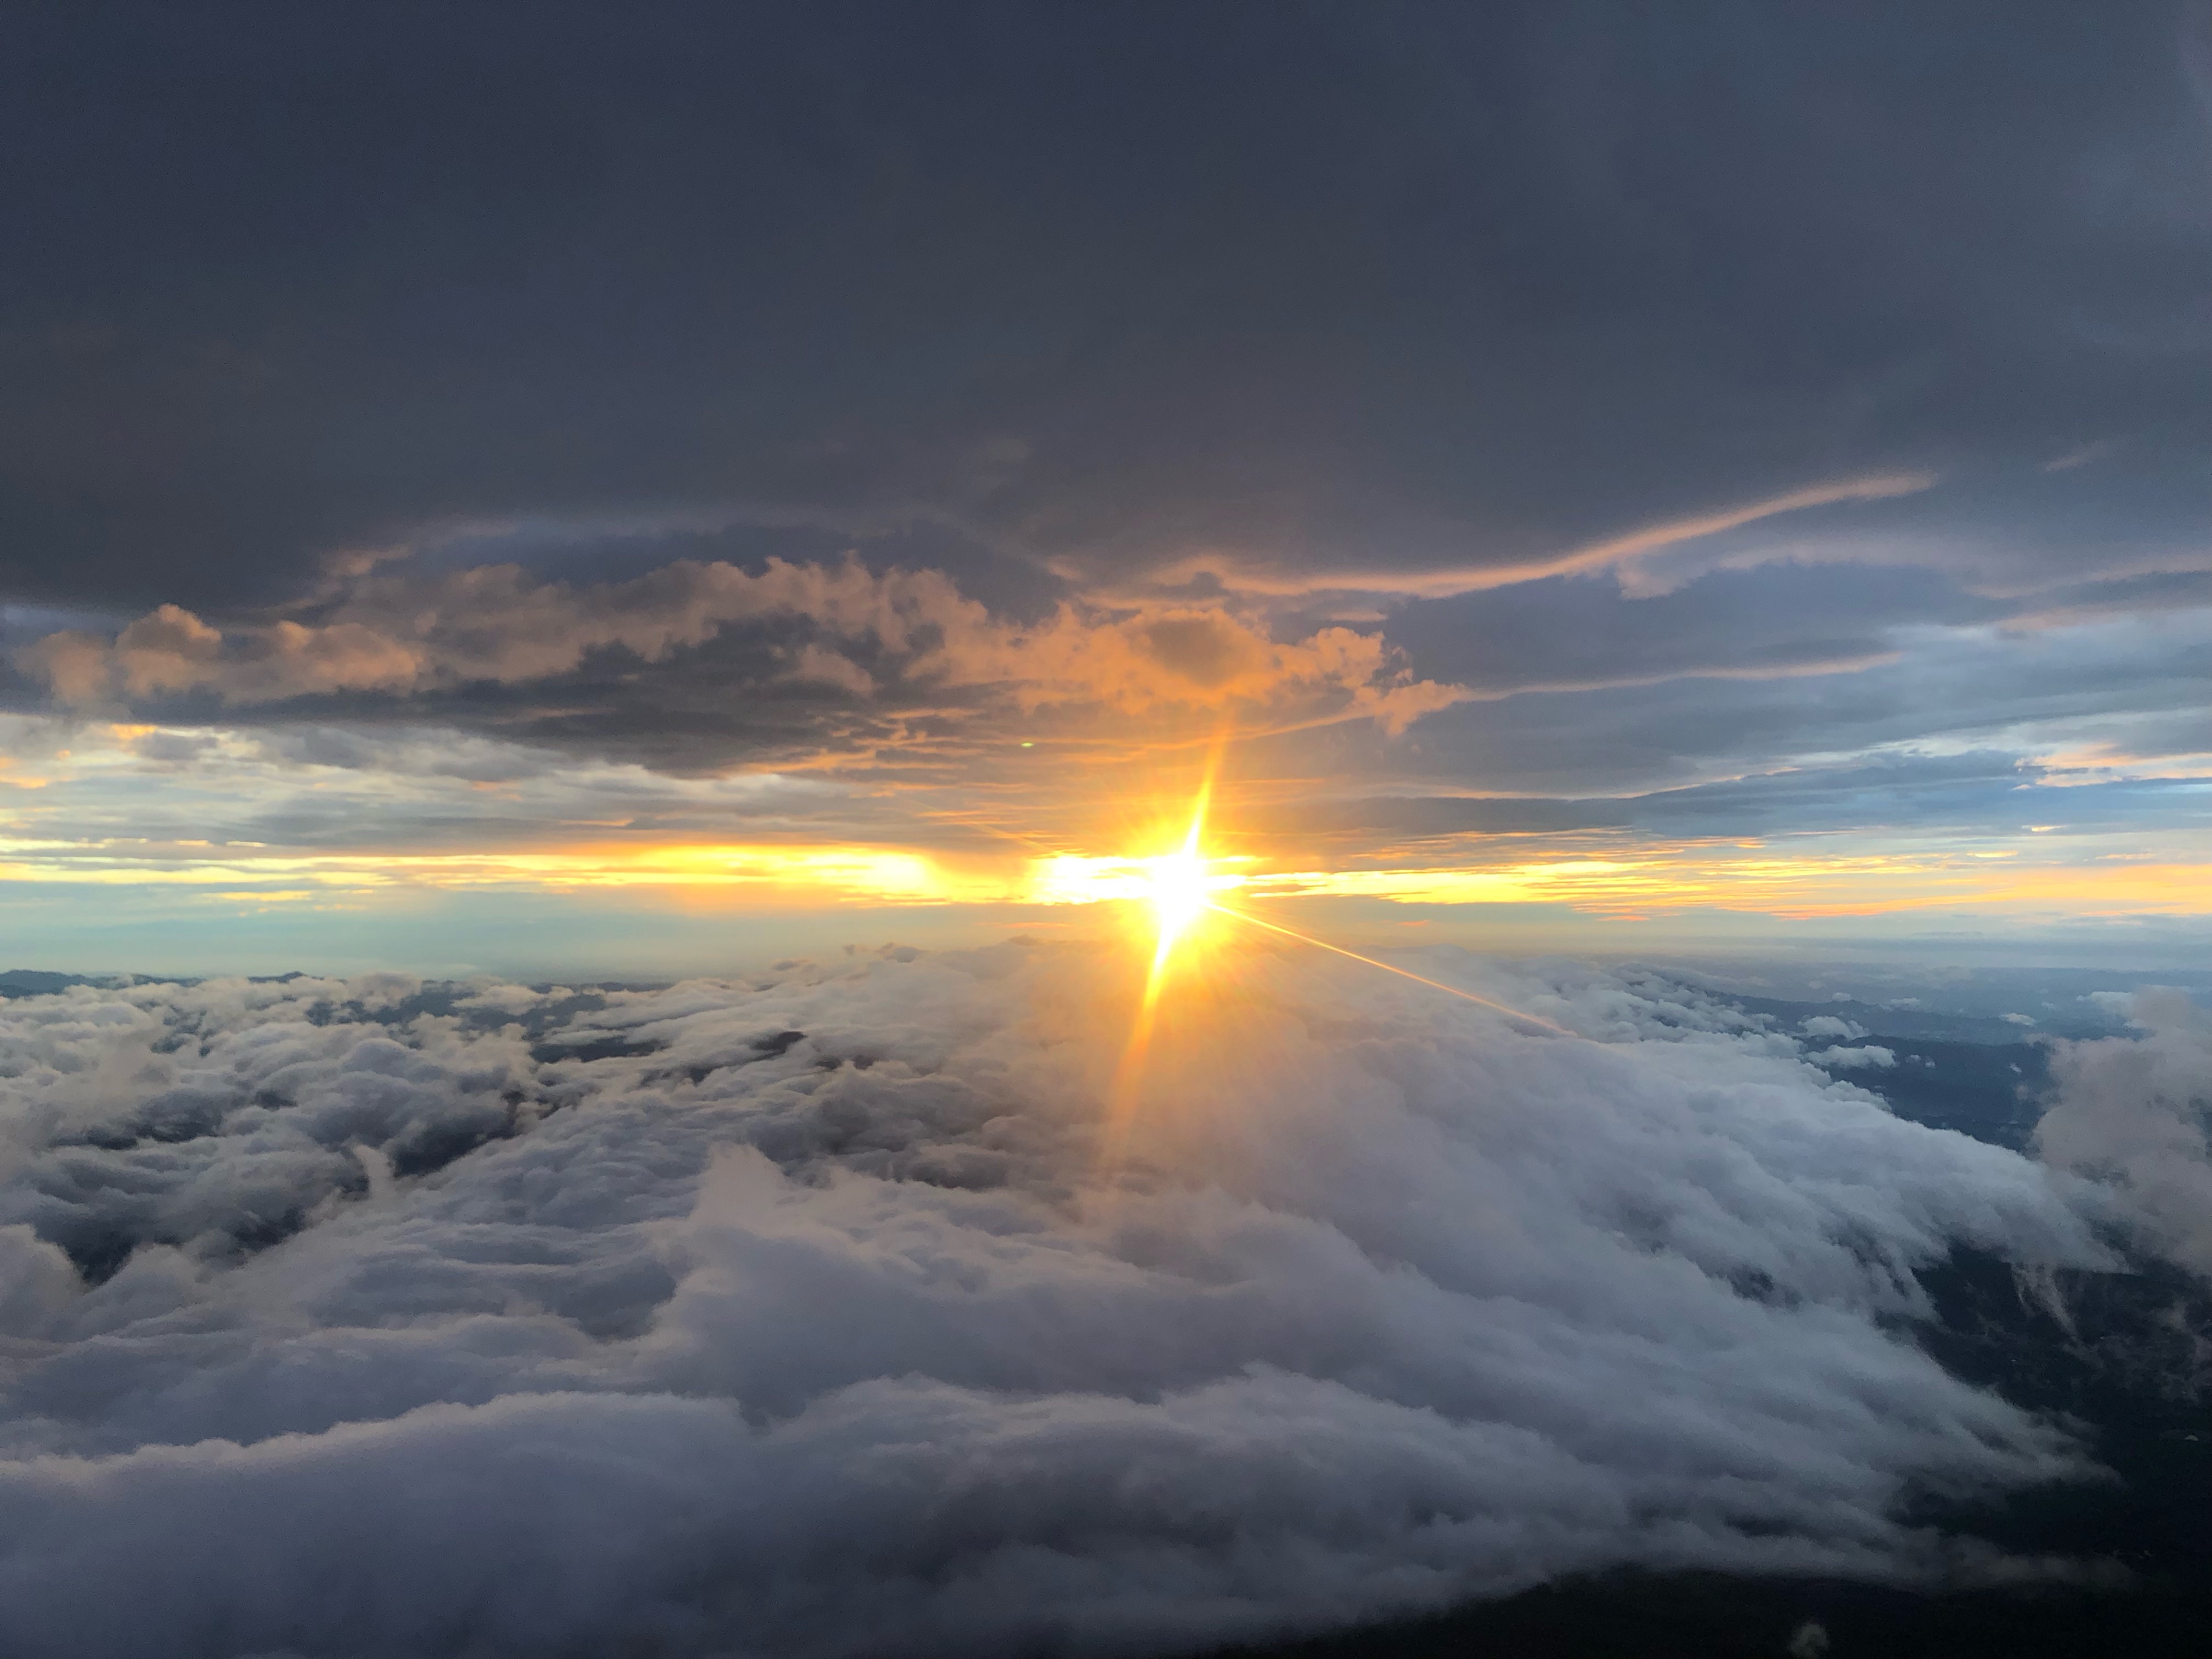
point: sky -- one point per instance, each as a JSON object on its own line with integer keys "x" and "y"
{"x": 525, "y": 490}
{"x": 1064, "y": 832}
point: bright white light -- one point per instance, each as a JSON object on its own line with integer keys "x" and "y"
{"x": 1180, "y": 887}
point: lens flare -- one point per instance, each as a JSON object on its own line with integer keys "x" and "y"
{"x": 1180, "y": 894}
{"x": 1465, "y": 995}
{"x": 1183, "y": 889}
{"x": 1181, "y": 885}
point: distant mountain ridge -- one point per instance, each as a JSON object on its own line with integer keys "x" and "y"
{"x": 35, "y": 983}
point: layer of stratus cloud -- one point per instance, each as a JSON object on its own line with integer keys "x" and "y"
{"x": 1635, "y": 403}
{"x": 808, "y": 1315}
{"x": 1352, "y": 296}
{"x": 1816, "y": 700}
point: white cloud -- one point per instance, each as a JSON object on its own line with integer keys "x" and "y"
{"x": 1827, "y": 1025}
{"x": 2138, "y": 1112}
{"x": 725, "y": 1337}
{"x": 1872, "y": 1055}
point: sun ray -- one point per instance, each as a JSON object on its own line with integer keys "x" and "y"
{"x": 1178, "y": 886}
{"x": 1387, "y": 968}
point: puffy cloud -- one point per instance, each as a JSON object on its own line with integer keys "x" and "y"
{"x": 803, "y": 1315}
{"x": 1829, "y": 1025}
{"x": 1871, "y": 1055}
{"x": 404, "y": 632}
{"x": 171, "y": 650}
{"x": 2138, "y": 1112}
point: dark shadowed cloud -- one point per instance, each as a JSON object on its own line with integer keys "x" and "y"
{"x": 1395, "y": 286}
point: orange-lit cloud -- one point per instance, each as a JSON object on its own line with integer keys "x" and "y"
{"x": 397, "y": 632}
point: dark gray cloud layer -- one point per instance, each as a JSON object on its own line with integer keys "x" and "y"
{"x": 799, "y": 1317}
{"x": 1715, "y": 418}
{"x": 1398, "y": 284}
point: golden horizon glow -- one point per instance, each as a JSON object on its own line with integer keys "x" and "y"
{"x": 1666, "y": 880}
{"x": 1068, "y": 838}
{"x": 1841, "y": 876}
{"x": 883, "y": 874}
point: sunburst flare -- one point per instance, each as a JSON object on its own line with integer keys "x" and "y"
{"x": 1182, "y": 888}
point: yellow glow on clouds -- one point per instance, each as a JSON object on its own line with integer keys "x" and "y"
{"x": 1834, "y": 885}
{"x": 1642, "y": 882}
{"x": 821, "y": 872}
{"x": 83, "y": 813}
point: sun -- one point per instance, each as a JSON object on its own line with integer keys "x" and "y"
{"x": 1181, "y": 887}
{"x": 1178, "y": 889}
{"x": 1169, "y": 892}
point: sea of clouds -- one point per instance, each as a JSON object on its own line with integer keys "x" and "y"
{"x": 820, "y": 1313}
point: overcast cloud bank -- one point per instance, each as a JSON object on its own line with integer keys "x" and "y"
{"x": 801, "y": 1315}
{"x": 1705, "y": 420}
